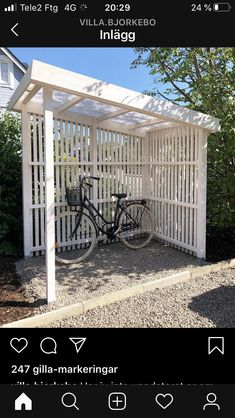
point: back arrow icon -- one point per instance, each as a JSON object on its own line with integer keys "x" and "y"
{"x": 12, "y": 29}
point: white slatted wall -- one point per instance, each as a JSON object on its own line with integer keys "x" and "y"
{"x": 79, "y": 150}
{"x": 174, "y": 174}
{"x": 120, "y": 166}
{"x": 164, "y": 167}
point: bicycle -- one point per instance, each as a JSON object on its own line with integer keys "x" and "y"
{"x": 77, "y": 230}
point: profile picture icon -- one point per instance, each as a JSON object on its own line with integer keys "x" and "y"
{"x": 211, "y": 401}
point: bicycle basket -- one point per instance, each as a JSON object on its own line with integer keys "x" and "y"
{"x": 73, "y": 196}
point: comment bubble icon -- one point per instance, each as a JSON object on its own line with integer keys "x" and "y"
{"x": 48, "y": 345}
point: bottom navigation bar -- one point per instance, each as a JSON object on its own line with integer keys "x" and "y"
{"x": 118, "y": 400}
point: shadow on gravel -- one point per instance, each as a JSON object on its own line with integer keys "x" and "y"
{"x": 110, "y": 267}
{"x": 22, "y": 304}
{"x": 217, "y": 305}
{"x": 117, "y": 260}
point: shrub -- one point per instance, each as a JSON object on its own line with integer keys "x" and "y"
{"x": 11, "y": 223}
{"x": 203, "y": 79}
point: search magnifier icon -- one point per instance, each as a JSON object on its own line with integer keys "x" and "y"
{"x": 69, "y": 400}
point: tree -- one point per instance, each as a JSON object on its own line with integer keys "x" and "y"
{"x": 10, "y": 185}
{"x": 203, "y": 79}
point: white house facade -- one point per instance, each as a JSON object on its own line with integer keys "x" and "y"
{"x": 12, "y": 71}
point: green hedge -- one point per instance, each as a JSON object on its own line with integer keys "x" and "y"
{"x": 11, "y": 222}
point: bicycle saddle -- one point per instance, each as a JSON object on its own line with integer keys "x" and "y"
{"x": 119, "y": 195}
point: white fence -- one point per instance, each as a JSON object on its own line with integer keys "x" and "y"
{"x": 176, "y": 178}
{"x": 166, "y": 167}
{"x": 79, "y": 150}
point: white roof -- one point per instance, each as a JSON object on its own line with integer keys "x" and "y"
{"x": 85, "y": 99}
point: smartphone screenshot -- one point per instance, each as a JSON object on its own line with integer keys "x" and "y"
{"x": 117, "y": 209}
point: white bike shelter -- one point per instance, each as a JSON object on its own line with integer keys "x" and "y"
{"x": 75, "y": 125}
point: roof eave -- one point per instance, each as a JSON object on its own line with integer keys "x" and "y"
{"x": 16, "y": 60}
{"x": 20, "y": 89}
{"x": 42, "y": 74}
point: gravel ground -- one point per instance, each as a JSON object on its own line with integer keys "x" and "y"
{"x": 202, "y": 302}
{"x": 110, "y": 268}
{"x": 13, "y": 302}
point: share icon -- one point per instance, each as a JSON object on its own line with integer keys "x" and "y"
{"x": 78, "y": 342}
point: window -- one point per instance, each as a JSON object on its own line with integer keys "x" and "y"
{"x": 6, "y": 73}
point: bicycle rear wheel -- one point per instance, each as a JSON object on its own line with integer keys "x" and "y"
{"x": 136, "y": 226}
{"x": 73, "y": 249}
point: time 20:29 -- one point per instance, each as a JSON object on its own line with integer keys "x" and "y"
{"x": 117, "y": 7}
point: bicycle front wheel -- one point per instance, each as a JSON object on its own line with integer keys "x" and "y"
{"x": 135, "y": 226}
{"x": 73, "y": 245}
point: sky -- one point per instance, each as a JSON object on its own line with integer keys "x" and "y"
{"x": 107, "y": 64}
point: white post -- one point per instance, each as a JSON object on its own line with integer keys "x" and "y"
{"x": 94, "y": 161}
{"x": 202, "y": 181}
{"x": 49, "y": 190}
{"x": 27, "y": 180}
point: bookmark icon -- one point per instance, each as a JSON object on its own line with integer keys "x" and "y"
{"x": 216, "y": 344}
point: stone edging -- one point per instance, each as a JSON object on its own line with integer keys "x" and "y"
{"x": 82, "y": 307}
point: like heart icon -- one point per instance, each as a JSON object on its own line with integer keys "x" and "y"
{"x": 164, "y": 400}
{"x": 18, "y": 344}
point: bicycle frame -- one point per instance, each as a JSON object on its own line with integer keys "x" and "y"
{"x": 94, "y": 213}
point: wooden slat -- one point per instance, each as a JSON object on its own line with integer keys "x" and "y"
{"x": 41, "y": 178}
{"x": 27, "y": 181}
{"x": 174, "y": 241}
{"x": 49, "y": 188}
{"x": 202, "y": 170}
{"x": 187, "y": 186}
{"x": 35, "y": 176}
{"x": 63, "y": 160}
{"x": 117, "y": 147}
{"x": 100, "y": 196}
{"x": 73, "y": 154}
{"x": 76, "y": 153}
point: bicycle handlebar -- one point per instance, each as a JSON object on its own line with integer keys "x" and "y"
{"x": 83, "y": 180}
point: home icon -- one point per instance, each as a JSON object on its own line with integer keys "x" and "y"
{"x": 23, "y": 403}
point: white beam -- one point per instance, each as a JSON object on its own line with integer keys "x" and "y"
{"x": 165, "y": 125}
{"x": 202, "y": 175}
{"x": 14, "y": 103}
{"x": 69, "y": 104}
{"x": 111, "y": 115}
{"x": 149, "y": 122}
{"x": 70, "y": 116}
{"x": 120, "y": 127}
{"x": 31, "y": 94}
{"x": 27, "y": 180}
{"x": 49, "y": 189}
{"x": 79, "y": 118}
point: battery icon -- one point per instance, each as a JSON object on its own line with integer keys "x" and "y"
{"x": 222, "y": 7}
